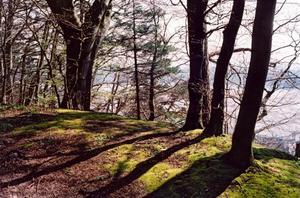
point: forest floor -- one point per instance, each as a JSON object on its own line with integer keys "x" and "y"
{"x": 64, "y": 153}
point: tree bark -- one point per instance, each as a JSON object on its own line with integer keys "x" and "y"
{"x": 153, "y": 67}
{"x": 206, "y": 90}
{"x": 23, "y": 70}
{"x": 241, "y": 154}
{"x": 136, "y": 71}
{"x": 96, "y": 21}
{"x": 7, "y": 56}
{"x": 1, "y": 59}
{"x": 197, "y": 36}
{"x": 82, "y": 41}
{"x": 215, "y": 125}
{"x": 52, "y": 63}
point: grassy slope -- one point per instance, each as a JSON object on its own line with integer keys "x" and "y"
{"x": 192, "y": 170}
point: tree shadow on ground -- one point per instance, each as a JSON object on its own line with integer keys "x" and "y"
{"x": 210, "y": 177}
{"x": 142, "y": 168}
{"x": 76, "y": 157}
{"x": 207, "y": 177}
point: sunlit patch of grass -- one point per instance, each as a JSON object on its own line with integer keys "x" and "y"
{"x": 158, "y": 175}
{"x": 279, "y": 176}
{"x": 125, "y": 158}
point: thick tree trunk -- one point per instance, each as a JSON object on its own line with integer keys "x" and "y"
{"x": 82, "y": 43}
{"x": 241, "y": 154}
{"x": 92, "y": 37}
{"x": 197, "y": 35}
{"x": 73, "y": 52}
{"x": 70, "y": 25}
{"x": 215, "y": 126}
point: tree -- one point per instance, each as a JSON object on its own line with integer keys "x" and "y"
{"x": 196, "y": 11}
{"x": 144, "y": 46}
{"x": 215, "y": 126}
{"x": 7, "y": 58}
{"x": 136, "y": 68}
{"x": 241, "y": 153}
{"x": 82, "y": 42}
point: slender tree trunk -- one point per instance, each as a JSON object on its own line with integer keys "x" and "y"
{"x": 206, "y": 91}
{"x": 23, "y": 69}
{"x": 1, "y": 59}
{"x": 44, "y": 46}
{"x": 151, "y": 94}
{"x": 111, "y": 101}
{"x": 53, "y": 62}
{"x": 241, "y": 154}
{"x": 197, "y": 35}
{"x": 215, "y": 126}
{"x": 7, "y": 56}
{"x": 153, "y": 67}
{"x": 136, "y": 71}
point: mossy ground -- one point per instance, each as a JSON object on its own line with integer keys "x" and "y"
{"x": 68, "y": 153}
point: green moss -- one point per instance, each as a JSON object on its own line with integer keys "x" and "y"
{"x": 277, "y": 178}
{"x": 222, "y": 143}
{"x": 124, "y": 159}
{"x": 33, "y": 129}
{"x": 195, "y": 133}
{"x": 158, "y": 175}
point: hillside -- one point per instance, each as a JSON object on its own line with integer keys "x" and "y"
{"x": 63, "y": 153}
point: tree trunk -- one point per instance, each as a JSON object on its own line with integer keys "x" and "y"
{"x": 82, "y": 43}
{"x": 197, "y": 35}
{"x": 241, "y": 154}
{"x": 151, "y": 94}
{"x": 1, "y": 60}
{"x": 206, "y": 90}
{"x": 153, "y": 67}
{"x": 53, "y": 62}
{"x": 136, "y": 71}
{"x": 297, "y": 151}
{"x": 23, "y": 70}
{"x": 215, "y": 126}
{"x": 44, "y": 47}
{"x": 7, "y": 56}
{"x": 93, "y": 33}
